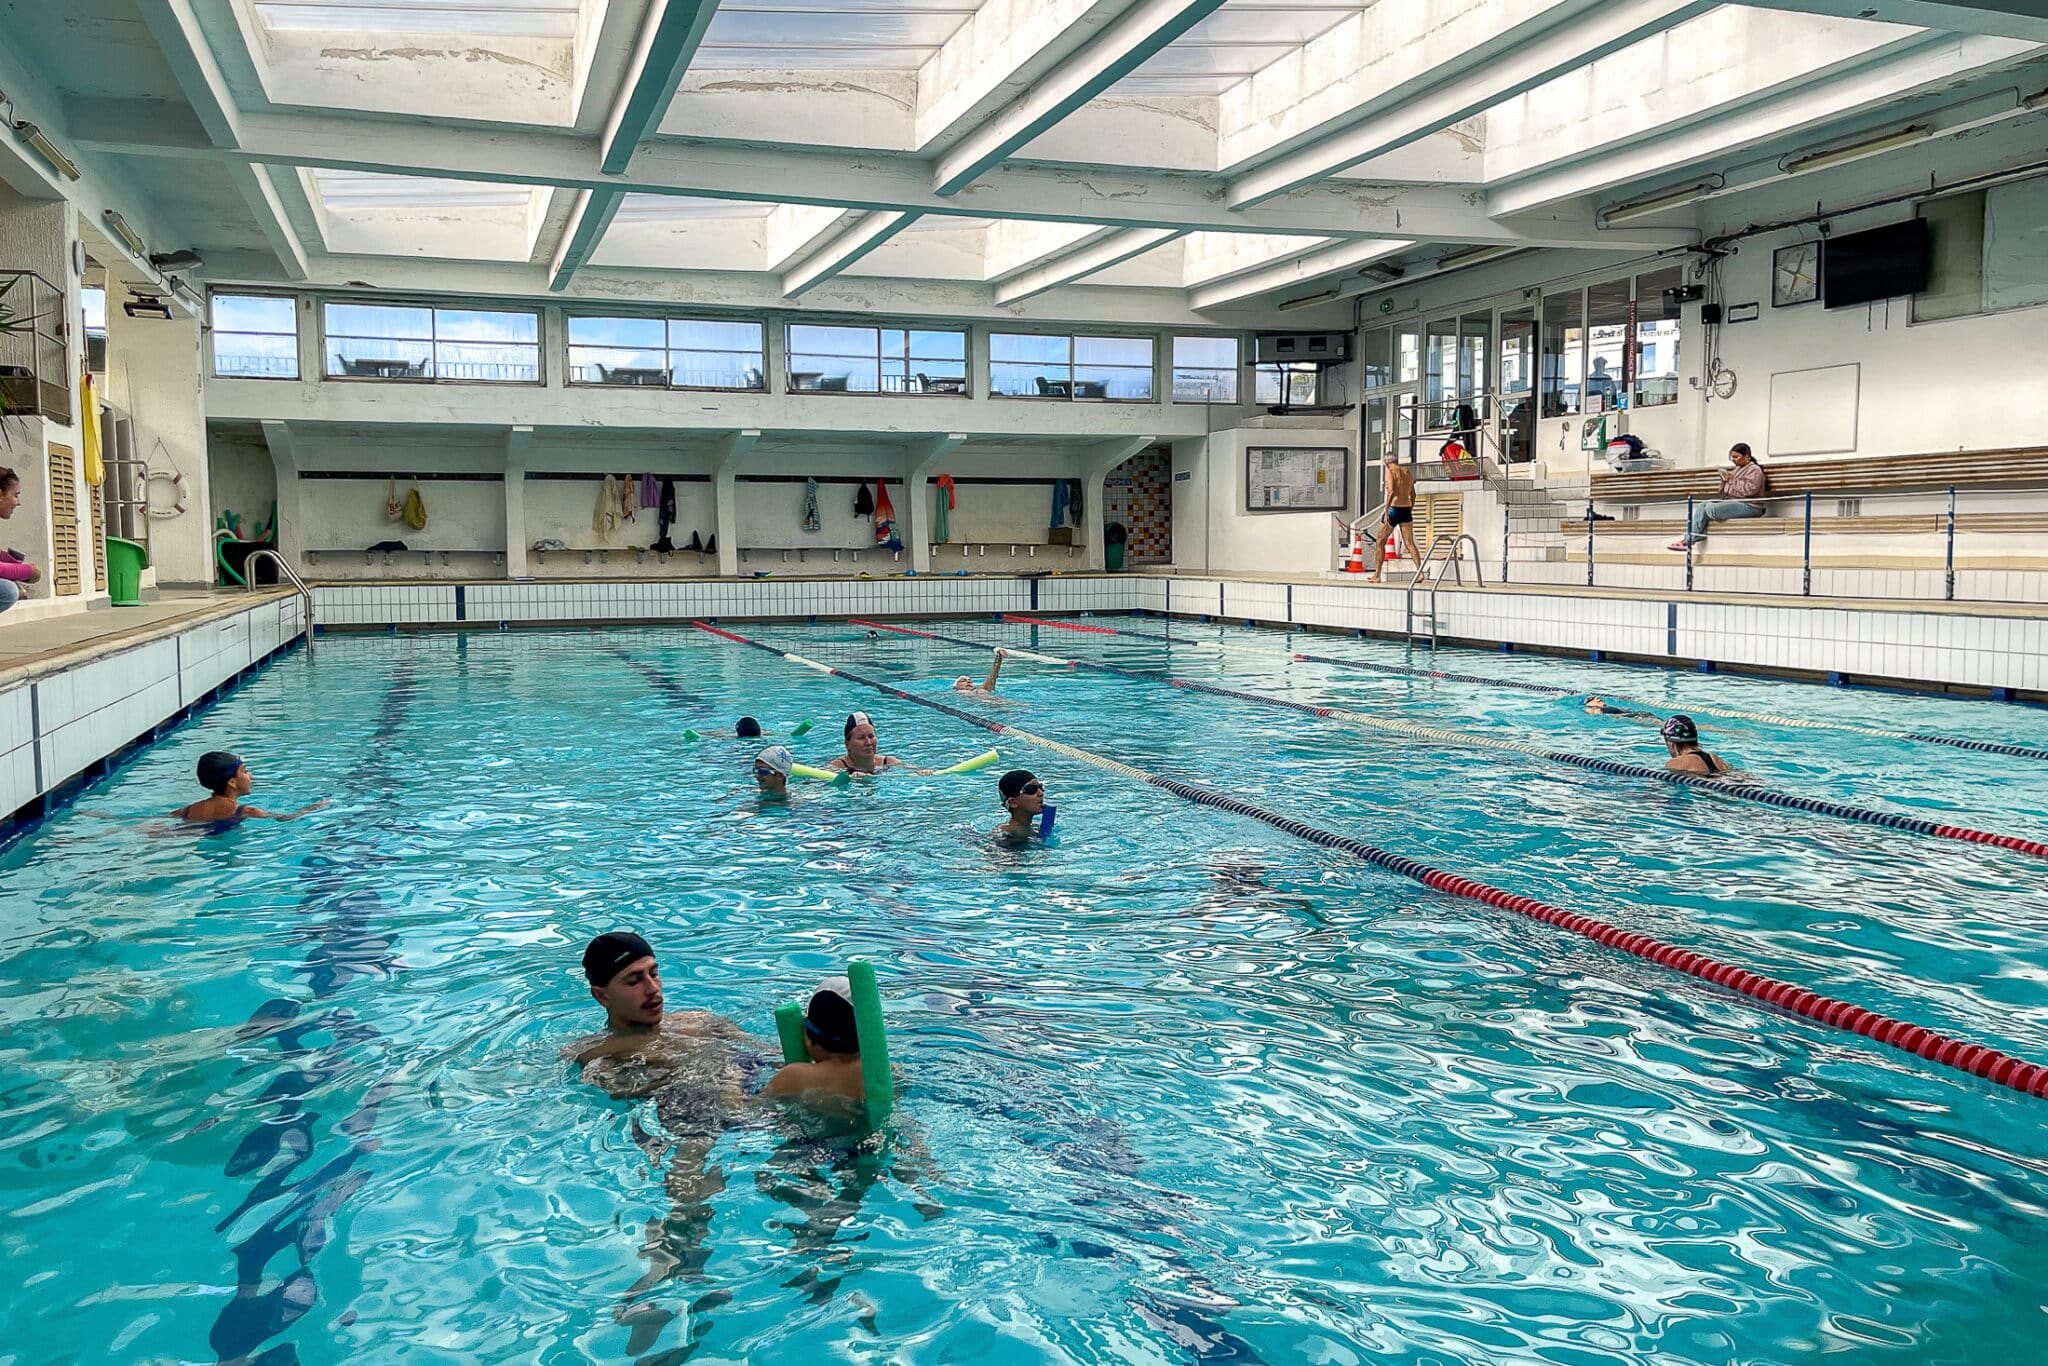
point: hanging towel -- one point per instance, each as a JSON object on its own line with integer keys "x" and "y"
{"x": 885, "y": 516}
{"x": 942, "y": 530}
{"x": 863, "y": 503}
{"x": 605, "y": 516}
{"x": 668, "y": 518}
{"x": 648, "y": 492}
{"x": 89, "y": 415}
{"x": 629, "y": 498}
{"x": 1059, "y": 504}
{"x": 811, "y": 519}
{"x": 1074, "y": 500}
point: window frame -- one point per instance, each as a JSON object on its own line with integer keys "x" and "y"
{"x": 668, "y": 350}
{"x": 213, "y": 370}
{"x": 434, "y": 312}
{"x": 1174, "y": 367}
{"x": 1072, "y": 365}
{"x": 908, "y": 358}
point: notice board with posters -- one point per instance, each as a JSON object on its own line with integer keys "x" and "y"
{"x": 1296, "y": 478}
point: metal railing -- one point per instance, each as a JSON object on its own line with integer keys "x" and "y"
{"x": 249, "y": 584}
{"x": 1942, "y": 522}
{"x": 1454, "y": 544}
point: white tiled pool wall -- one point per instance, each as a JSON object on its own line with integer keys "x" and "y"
{"x": 1979, "y": 650}
{"x": 55, "y": 727}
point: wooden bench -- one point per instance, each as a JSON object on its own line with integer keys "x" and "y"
{"x": 1958, "y": 469}
{"x": 1894, "y": 524}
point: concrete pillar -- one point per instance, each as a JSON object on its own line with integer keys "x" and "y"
{"x": 1095, "y": 467}
{"x": 732, "y": 450}
{"x": 920, "y": 463}
{"x": 518, "y": 450}
{"x": 153, "y": 373}
{"x": 1190, "y": 495}
{"x": 291, "y": 517}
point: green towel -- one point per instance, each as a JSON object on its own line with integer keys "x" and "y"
{"x": 939, "y": 529}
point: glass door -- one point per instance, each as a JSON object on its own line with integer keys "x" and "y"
{"x": 1517, "y": 387}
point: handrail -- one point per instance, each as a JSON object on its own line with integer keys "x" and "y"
{"x": 1457, "y": 542}
{"x": 1942, "y": 520}
{"x": 249, "y": 584}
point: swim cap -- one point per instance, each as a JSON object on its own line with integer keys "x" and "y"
{"x": 610, "y": 954}
{"x": 217, "y": 768}
{"x": 1681, "y": 729}
{"x": 829, "y": 1022}
{"x": 1013, "y": 783}
{"x": 776, "y": 757}
{"x": 859, "y": 718}
{"x": 748, "y": 728}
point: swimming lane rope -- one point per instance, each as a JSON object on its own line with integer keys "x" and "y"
{"x": 1552, "y": 690}
{"x": 1997, "y": 1067}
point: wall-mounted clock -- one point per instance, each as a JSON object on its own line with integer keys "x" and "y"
{"x": 1795, "y": 274}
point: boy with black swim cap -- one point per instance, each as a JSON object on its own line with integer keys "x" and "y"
{"x": 1024, "y": 798}
{"x": 832, "y": 1038}
{"x": 227, "y": 778}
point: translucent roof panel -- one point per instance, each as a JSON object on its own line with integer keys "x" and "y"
{"x": 371, "y": 190}
{"x": 809, "y": 35}
{"x": 676, "y": 208}
{"x": 515, "y": 18}
{"x": 1239, "y": 40}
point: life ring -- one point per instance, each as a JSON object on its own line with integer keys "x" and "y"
{"x": 177, "y": 479}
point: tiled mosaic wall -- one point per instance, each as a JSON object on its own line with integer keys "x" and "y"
{"x": 1139, "y": 493}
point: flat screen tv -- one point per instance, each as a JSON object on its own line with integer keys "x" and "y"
{"x": 1883, "y": 263}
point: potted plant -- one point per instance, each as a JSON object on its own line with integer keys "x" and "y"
{"x": 1114, "y": 536}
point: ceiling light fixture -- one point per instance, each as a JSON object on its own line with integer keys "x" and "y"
{"x": 2037, "y": 100}
{"x": 147, "y": 306}
{"x": 1473, "y": 257}
{"x": 1629, "y": 210}
{"x": 127, "y": 236}
{"x": 1382, "y": 274}
{"x": 183, "y": 259}
{"x": 44, "y": 148}
{"x": 1854, "y": 151}
{"x": 1308, "y": 300}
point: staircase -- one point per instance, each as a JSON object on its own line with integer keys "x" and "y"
{"x": 1536, "y": 512}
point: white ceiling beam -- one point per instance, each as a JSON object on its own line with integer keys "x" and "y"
{"x": 1125, "y": 44}
{"x": 1112, "y": 250}
{"x": 668, "y": 43}
{"x": 1464, "y": 84}
{"x": 1121, "y": 199}
{"x": 176, "y": 30}
{"x": 868, "y": 232}
{"x": 588, "y": 222}
{"x": 1013, "y": 245}
{"x": 2024, "y": 19}
{"x": 1287, "y": 274}
{"x": 797, "y": 230}
{"x": 1706, "y": 140}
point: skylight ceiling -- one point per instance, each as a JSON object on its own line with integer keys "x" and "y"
{"x": 369, "y": 190}
{"x": 810, "y": 35}
{"x": 1238, "y": 41}
{"x": 507, "y": 18}
{"x": 679, "y": 208}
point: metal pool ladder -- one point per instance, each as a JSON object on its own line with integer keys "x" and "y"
{"x": 249, "y": 584}
{"x": 1454, "y": 545}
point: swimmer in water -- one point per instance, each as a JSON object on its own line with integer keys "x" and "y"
{"x": 1682, "y": 742}
{"x": 1600, "y": 706}
{"x": 1024, "y": 798}
{"x": 227, "y": 778}
{"x": 687, "y": 1063}
{"x": 987, "y": 688}
{"x": 862, "y": 754}
{"x": 832, "y": 1078}
{"x": 771, "y": 770}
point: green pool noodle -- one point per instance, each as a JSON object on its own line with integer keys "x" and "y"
{"x": 801, "y": 727}
{"x": 691, "y": 735}
{"x": 821, "y": 774}
{"x": 978, "y": 762}
{"x": 789, "y": 1027}
{"x": 874, "y": 1043}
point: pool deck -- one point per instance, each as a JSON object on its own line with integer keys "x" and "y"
{"x": 44, "y": 645}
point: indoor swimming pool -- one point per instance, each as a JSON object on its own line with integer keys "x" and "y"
{"x": 1175, "y": 1085}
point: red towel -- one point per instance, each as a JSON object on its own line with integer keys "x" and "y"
{"x": 885, "y": 515}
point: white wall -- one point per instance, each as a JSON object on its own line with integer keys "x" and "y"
{"x": 242, "y": 479}
{"x": 153, "y": 374}
{"x": 1243, "y": 542}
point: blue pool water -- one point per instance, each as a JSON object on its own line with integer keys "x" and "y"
{"x": 1177, "y": 1087}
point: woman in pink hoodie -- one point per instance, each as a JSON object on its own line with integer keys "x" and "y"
{"x": 14, "y": 570}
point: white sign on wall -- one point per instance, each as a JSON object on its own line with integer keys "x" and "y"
{"x": 1295, "y": 478}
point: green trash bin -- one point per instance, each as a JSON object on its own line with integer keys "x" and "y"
{"x": 125, "y": 562}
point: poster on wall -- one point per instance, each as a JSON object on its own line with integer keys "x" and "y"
{"x": 1295, "y": 478}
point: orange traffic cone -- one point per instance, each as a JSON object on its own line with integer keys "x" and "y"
{"x": 1355, "y": 563}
